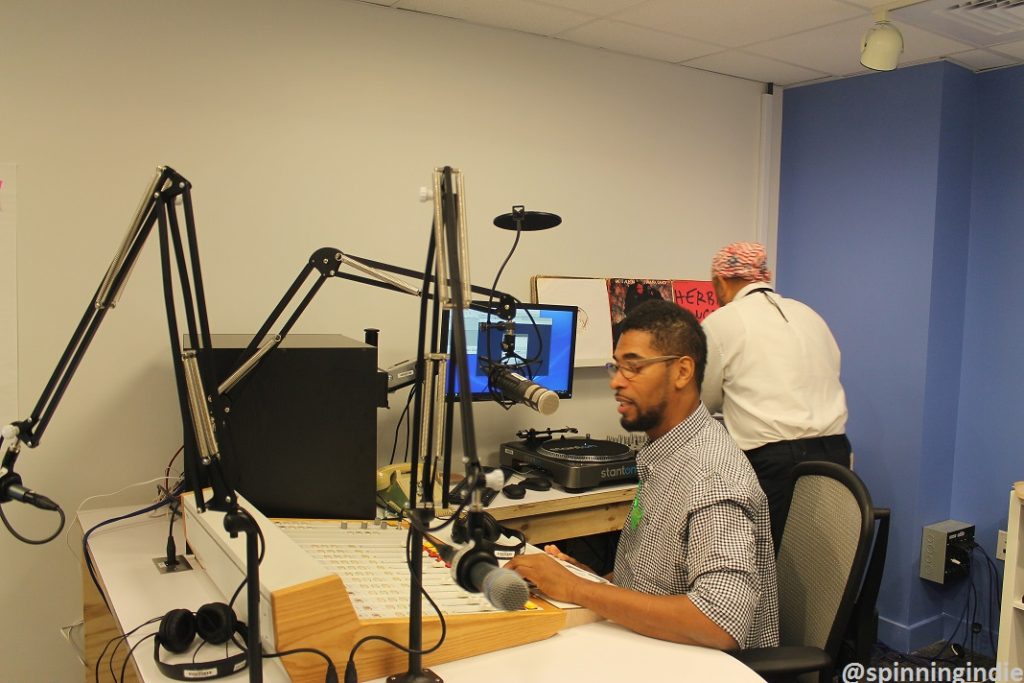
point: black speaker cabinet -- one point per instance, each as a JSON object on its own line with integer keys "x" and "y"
{"x": 300, "y": 436}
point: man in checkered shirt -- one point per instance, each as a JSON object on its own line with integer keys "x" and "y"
{"x": 695, "y": 562}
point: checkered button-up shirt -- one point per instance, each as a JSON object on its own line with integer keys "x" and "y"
{"x": 700, "y": 528}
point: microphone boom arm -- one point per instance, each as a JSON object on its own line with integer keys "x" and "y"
{"x": 327, "y": 263}
{"x": 158, "y": 208}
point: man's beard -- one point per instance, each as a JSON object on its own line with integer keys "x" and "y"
{"x": 645, "y": 419}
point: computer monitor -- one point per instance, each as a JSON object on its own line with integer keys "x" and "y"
{"x": 545, "y": 347}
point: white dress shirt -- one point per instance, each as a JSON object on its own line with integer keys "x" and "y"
{"x": 772, "y": 370}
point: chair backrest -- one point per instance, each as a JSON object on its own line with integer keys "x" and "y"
{"x": 823, "y": 554}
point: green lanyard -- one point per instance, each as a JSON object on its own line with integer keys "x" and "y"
{"x": 636, "y": 513}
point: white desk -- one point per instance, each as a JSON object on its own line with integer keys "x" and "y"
{"x": 600, "y": 651}
{"x": 603, "y": 651}
{"x": 123, "y": 555}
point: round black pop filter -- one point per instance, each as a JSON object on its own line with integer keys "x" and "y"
{"x": 532, "y": 220}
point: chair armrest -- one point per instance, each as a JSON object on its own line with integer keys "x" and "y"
{"x": 791, "y": 659}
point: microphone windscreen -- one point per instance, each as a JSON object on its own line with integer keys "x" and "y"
{"x": 548, "y": 403}
{"x": 505, "y": 589}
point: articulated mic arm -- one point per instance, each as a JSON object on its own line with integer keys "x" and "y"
{"x": 178, "y": 250}
{"x": 328, "y": 262}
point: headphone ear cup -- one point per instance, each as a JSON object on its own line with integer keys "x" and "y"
{"x": 492, "y": 530}
{"x": 215, "y": 622}
{"x": 177, "y": 630}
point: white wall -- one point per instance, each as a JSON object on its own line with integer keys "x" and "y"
{"x": 306, "y": 124}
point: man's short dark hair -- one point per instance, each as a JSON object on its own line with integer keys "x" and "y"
{"x": 673, "y": 329}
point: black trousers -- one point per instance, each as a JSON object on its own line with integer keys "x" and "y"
{"x": 774, "y": 462}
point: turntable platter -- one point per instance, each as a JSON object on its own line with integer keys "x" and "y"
{"x": 584, "y": 450}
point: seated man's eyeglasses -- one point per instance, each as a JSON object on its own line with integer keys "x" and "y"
{"x": 632, "y": 367}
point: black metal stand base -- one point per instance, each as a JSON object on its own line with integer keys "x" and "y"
{"x": 421, "y": 676}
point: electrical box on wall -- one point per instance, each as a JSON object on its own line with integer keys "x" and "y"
{"x": 946, "y": 550}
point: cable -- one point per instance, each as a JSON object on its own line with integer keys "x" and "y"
{"x": 995, "y": 585}
{"x": 67, "y": 536}
{"x": 167, "y": 472}
{"x": 131, "y": 651}
{"x": 33, "y": 541}
{"x": 332, "y": 672}
{"x": 972, "y": 593}
{"x": 119, "y": 639}
{"x": 938, "y": 656}
{"x": 85, "y": 541}
{"x": 523, "y": 363}
{"x": 401, "y": 419}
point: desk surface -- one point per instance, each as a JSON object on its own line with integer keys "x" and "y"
{"x": 545, "y": 516}
{"x": 124, "y": 552}
{"x": 123, "y": 555}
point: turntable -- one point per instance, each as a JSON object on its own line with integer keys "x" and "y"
{"x": 575, "y": 463}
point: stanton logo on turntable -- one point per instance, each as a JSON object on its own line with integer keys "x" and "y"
{"x": 618, "y": 472}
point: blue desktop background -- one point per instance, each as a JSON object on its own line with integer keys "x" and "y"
{"x": 548, "y": 340}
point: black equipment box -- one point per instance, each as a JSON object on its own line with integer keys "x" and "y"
{"x": 300, "y": 435}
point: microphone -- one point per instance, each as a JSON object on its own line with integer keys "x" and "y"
{"x": 517, "y": 388}
{"x": 478, "y": 572}
{"x": 11, "y": 489}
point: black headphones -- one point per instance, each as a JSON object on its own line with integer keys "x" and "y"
{"x": 492, "y": 531}
{"x": 214, "y": 623}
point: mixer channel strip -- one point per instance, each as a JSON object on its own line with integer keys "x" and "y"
{"x": 371, "y": 560}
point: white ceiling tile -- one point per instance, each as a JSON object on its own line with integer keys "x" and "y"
{"x": 919, "y": 45}
{"x": 782, "y": 41}
{"x": 1016, "y": 49}
{"x": 834, "y": 49}
{"x": 737, "y": 22}
{"x": 514, "y": 14}
{"x": 978, "y": 60}
{"x": 640, "y": 41}
{"x": 599, "y": 8}
{"x": 754, "y": 67}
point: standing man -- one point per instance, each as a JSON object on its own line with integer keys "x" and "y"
{"x": 695, "y": 562}
{"x": 773, "y": 371}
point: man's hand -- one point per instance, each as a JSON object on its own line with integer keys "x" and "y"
{"x": 547, "y": 575}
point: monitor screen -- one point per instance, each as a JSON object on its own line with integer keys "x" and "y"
{"x": 545, "y": 347}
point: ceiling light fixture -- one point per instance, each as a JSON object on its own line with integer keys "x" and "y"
{"x": 882, "y": 44}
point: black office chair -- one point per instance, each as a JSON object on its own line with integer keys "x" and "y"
{"x": 821, "y": 564}
{"x": 862, "y": 632}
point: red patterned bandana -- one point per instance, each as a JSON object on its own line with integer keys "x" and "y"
{"x": 746, "y": 260}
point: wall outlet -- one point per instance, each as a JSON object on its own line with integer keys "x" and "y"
{"x": 1001, "y": 545}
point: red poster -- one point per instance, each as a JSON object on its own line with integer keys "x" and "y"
{"x": 696, "y": 296}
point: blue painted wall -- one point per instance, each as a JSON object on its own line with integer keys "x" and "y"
{"x": 990, "y": 428}
{"x": 886, "y": 180}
